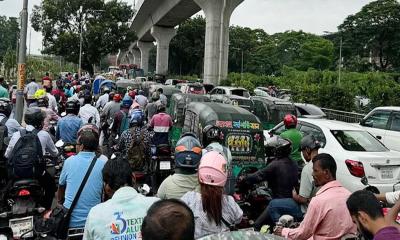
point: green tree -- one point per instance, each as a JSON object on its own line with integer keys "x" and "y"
{"x": 105, "y": 28}
{"x": 10, "y": 62}
{"x": 373, "y": 32}
{"x": 9, "y": 30}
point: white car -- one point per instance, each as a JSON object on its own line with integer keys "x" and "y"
{"x": 384, "y": 124}
{"x": 357, "y": 153}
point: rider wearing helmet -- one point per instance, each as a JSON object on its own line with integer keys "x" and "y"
{"x": 73, "y": 172}
{"x": 161, "y": 123}
{"x": 282, "y": 176}
{"x": 5, "y": 112}
{"x": 309, "y": 147}
{"x": 103, "y": 99}
{"x": 151, "y": 108}
{"x": 188, "y": 152}
{"x": 215, "y": 212}
{"x": 294, "y": 136}
{"x": 68, "y": 126}
{"x": 141, "y": 99}
{"x": 34, "y": 118}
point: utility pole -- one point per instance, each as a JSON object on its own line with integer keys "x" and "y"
{"x": 80, "y": 43}
{"x": 241, "y": 73}
{"x": 22, "y": 63}
{"x": 340, "y": 59}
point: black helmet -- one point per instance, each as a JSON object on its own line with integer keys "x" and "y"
{"x": 34, "y": 117}
{"x": 309, "y": 142}
{"x": 5, "y": 106}
{"x": 72, "y": 107}
{"x": 188, "y": 151}
{"x": 278, "y": 147}
{"x": 43, "y": 102}
{"x": 211, "y": 134}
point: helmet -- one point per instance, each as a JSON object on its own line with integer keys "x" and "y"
{"x": 137, "y": 118}
{"x": 106, "y": 89}
{"x": 5, "y": 106}
{"x": 87, "y": 133}
{"x": 117, "y": 97}
{"x": 40, "y": 93}
{"x": 188, "y": 151}
{"x": 213, "y": 169}
{"x": 309, "y": 142}
{"x": 278, "y": 147}
{"x": 126, "y": 102}
{"x": 34, "y": 117}
{"x": 43, "y": 102}
{"x": 155, "y": 96}
{"x": 290, "y": 121}
{"x": 212, "y": 134}
{"x": 72, "y": 107}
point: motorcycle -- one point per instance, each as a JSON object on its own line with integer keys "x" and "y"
{"x": 67, "y": 149}
{"x": 161, "y": 165}
{"x": 21, "y": 208}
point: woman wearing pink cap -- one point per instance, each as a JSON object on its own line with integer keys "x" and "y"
{"x": 214, "y": 212}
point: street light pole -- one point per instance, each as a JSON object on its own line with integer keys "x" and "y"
{"x": 340, "y": 59}
{"x": 241, "y": 73}
{"x": 22, "y": 63}
{"x": 80, "y": 44}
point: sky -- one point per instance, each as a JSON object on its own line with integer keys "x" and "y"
{"x": 314, "y": 16}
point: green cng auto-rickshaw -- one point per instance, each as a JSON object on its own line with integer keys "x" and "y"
{"x": 177, "y": 108}
{"x": 242, "y": 131}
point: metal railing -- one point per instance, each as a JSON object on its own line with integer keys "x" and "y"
{"x": 349, "y": 117}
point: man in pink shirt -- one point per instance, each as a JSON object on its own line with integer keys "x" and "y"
{"x": 161, "y": 124}
{"x": 327, "y": 216}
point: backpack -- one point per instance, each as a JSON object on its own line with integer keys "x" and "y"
{"x": 124, "y": 122}
{"x": 26, "y": 159}
{"x": 3, "y": 135}
{"x": 136, "y": 151}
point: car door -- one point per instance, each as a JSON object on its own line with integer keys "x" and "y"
{"x": 376, "y": 123}
{"x": 310, "y": 129}
{"x": 392, "y": 137}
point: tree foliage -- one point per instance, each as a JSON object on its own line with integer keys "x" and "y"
{"x": 9, "y": 31}
{"x": 105, "y": 28}
{"x": 373, "y": 32}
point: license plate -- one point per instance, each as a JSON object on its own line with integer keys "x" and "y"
{"x": 20, "y": 226}
{"x": 387, "y": 173}
{"x": 165, "y": 165}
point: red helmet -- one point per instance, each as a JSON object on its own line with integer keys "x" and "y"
{"x": 290, "y": 121}
{"x": 117, "y": 97}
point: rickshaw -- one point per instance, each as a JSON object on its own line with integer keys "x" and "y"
{"x": 96, "y": 85}
{"x": 123, "y": 84}
{"x": 271, "y": 110}
{"x": 176, "y": 110}
{"x": 242, "y": 132}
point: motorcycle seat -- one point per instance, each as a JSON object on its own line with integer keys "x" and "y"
{"x": 25, "y": 182}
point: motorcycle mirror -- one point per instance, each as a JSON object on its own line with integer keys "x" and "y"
{"x": 113, "y": 156}
{"x": 145, "y": 189}
{"x": 59, "y": 143}
{"x": 364, "y": 180}
{"x": 63, "y": 114}
{"x": 116, "y": 137}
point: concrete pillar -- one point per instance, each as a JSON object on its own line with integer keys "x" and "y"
{"x": 131, "y": 57}
{"x": 218, "y": 14}
{"x": 163, "y": 37}
{"x": 136, "y": 55}
{"x": 145, "y": 48}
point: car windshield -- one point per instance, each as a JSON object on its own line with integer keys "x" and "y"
{"x": 241, "y": 92}
{"x": 358, "y": 141}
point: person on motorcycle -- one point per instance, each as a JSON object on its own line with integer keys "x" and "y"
{"x": 107, "y": 115}
{"x": 151, "y": 108}
{"x": 212, "y": 139}
{"x": 88, "y": 113}
{"x": 68, "y": 126}
{"x": 328, "y": 205}
{"x": 188, "y": 152}
{"x": 50, "y": 115}
{"x": 215, "y": 212}
{"x": 34, "y": 119}
{"x": 366, "y": 211}
{"x": 103, "y": 99}
{"x": 68, "y": 90}
{"x": 161, "y": 124}
{"x": 5, "y": 112}
{"x": 136, "y": 134}
{"x": 163, "y": 98}
{"x": 52, "y": 100}
{"x": 282, "y": 177}
{"x": 141, "y": 99}
{"x": 73, "y": 172}
{"x": 60, "y": 97}
{"x": 123, "y": 200}
{"x": 30, "y": 90}
{"x": 309, "y": 147}
{"x": 294, "y": 136}
{"x": 121, "y": 118}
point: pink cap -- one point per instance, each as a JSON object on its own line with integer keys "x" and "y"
{"x": 212, "y": 169}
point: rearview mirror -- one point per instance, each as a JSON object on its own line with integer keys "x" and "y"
{"x": 59, "y": 143}
{"x": 63, "y": 114}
